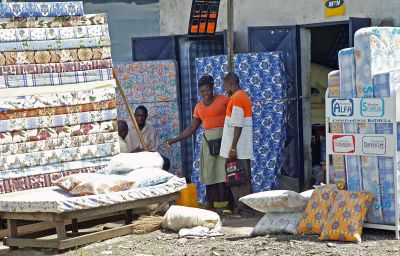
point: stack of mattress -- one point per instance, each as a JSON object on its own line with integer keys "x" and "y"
{"x": 153, "y": 84}
{"x": 369, "y": 70}
{"x": 58, "y": 105}
{"x": 263, "y": 77}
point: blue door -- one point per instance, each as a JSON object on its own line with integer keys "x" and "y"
{"x": 153, "y": 48}
{"x": 286, "y": 40}
{"x": 354, "y": 25}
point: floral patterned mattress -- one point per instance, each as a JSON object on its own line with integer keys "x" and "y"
{"x": 56, "y": 200}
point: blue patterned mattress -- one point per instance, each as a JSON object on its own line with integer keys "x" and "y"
{"x": 263, "y": 77}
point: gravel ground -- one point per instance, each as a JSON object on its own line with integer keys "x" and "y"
{"x": 236, "y": 241}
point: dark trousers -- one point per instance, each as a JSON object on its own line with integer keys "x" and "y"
{"x": 219, "y": 192}
{"x": 244, "y": 189}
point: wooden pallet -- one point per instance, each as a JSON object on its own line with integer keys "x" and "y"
{"x": 60, "y": 220}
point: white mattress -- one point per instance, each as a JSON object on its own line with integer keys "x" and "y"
{"x": 56, "y": 200}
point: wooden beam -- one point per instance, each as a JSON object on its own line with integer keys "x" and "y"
{"x": 83, "y": 222}
{"x": 95, "y": 237}
{"x": 75, "y": 226}
{"x": 60, "y": 228}
{"x": 34, "y": 243}
{"x": 129, "y": 216}
{"x": 12, "y": 228}
{"x": 230, "y": 33}
{"x": 116, "y": 207}
{"x": 12, "y": 231}
{"x": 43, "y": 216}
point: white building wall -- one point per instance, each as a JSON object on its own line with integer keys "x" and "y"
{"x": 174, "y": 14}
{"x": 174, "y": 20}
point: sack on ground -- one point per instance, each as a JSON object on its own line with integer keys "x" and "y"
{"x": 147, "y": 177}
{"x": 127, "y": 162}
{"x": 275, "y": 201}
{"x": 178, "y": 217}
{"x": 277, "y": 223}
{"x": 198, "y": 232}
{"x": 102, "y": 185}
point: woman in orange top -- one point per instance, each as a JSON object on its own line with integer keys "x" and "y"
{"x": 210, "y": 112}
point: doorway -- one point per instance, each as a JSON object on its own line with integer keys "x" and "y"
{"x": 296, "y": 44}
{"x": 326, "y": 42}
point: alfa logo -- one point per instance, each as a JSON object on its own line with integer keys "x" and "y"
{"x": 343, "y": 144}
{"x": 334, "y": 3}
{"x": 342, "y": 107}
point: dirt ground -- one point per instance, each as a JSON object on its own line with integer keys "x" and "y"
{"x": 236, "y": 241}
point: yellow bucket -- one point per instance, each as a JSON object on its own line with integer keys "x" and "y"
{"x": 188, "y": 196}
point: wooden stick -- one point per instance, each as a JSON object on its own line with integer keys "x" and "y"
{"x": 135, "y": 124}
{"x": 230, "y": 35}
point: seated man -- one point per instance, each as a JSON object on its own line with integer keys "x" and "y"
{"x": 150, "y": 135}
{"x": 123, "y": 132}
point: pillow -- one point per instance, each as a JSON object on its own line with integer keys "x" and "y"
{"x": 307, "y": 194}
{"x": 101, "y": 185}
{"x": 346, "y": 219}
{"x": 277, "y": 223}
{"x": 318, "y": 208}
{"x": 147, "y": 177}
{"x": 275, "y": 201}
{"x": 126, "y": 162}
{"x": 69, "y": 182}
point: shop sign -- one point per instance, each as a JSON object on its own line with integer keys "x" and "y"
{"x": 342, "y": 107}
{"x": 372, "y": 107}
{"x": 343, "y": 144}
{"x": 374, "y": 145}
{"x": 361, "y": 110}
{"x": 361, "y": 144}
{"x": 334, "y": 8}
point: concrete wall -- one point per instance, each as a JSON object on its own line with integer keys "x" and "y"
{"x": 174, "y": 19}
{"x": 174, "y": 14}
{"x": 305, "y": 44}
{"x": 127, "y": 19}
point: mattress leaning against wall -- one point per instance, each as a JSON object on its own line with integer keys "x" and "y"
{"x": 337, "y": 174}
{"x": 384, "y": 85}
{"x": 348, "y": 90}
{"x": 153, "y": 84}
{"x": 267, "y": 91}
{"x": 63, "y": 124}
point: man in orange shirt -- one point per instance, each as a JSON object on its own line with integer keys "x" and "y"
{"x": 237, "y": 137}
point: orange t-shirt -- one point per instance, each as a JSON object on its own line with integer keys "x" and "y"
{"x": 212, "y": 116}
{"x": 240, "y": 100}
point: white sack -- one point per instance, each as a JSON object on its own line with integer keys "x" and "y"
{"x": 200, "y": 232}
{"x": 178, "y": 217}
{"x": 127, "y": 162}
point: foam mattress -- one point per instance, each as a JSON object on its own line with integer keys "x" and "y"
{"x": 56, "y": 200}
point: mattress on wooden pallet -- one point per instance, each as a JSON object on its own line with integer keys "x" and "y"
{"x": 56, "y": 200}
